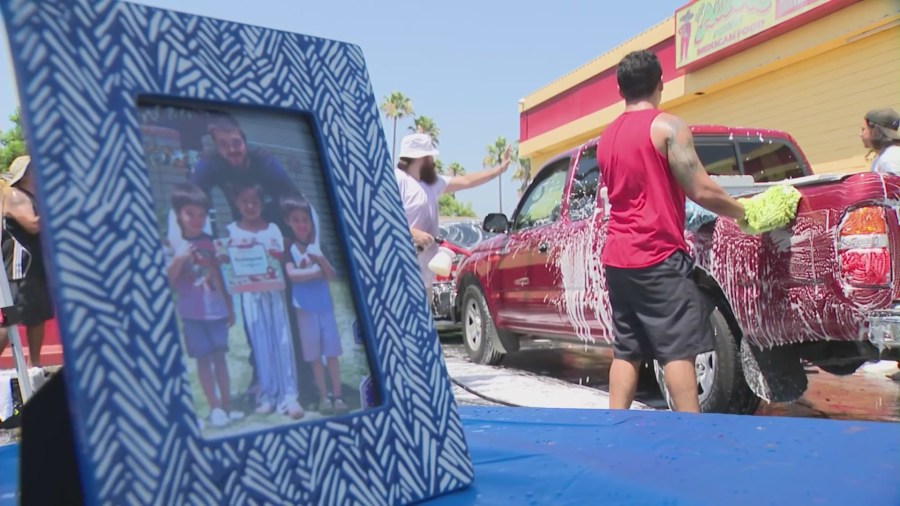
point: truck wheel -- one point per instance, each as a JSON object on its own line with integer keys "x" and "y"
{"x": 479, "y": 333}
{"x": 720, "y": 377}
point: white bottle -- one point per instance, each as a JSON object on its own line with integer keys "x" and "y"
{"x": 442, "y": 263}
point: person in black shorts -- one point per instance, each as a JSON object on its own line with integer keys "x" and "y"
{"x": 24, "y": 262}
{"x": 649, "y": 166}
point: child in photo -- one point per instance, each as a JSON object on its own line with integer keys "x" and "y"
{"x": 203, "y": 306}
{"x": 265, "y": 314}
{"x": 310, "y": 272}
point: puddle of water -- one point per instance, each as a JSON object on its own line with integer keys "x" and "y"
{"x": 856, "y": 397}
{"x": 10, "y": 436}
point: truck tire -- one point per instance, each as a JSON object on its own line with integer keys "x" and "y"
{"x": 480, "y": 336}
{"x": 720, "y": 377}
{"x": 775, "y": 374}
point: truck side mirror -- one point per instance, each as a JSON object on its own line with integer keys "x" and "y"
{"x": 496, "y": 223}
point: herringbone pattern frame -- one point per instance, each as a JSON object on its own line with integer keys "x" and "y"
{"x": 81, "y": 65}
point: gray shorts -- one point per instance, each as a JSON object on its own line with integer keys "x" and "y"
{"x": 318, "y": 334}
{"x": 659, "y": 312}
{"x": 203, "y": 338}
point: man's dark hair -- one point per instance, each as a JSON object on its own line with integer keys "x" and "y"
{"x": 638, "y": 74}
{"x": 186, "y": 194}
{"x": 225, "y": 123}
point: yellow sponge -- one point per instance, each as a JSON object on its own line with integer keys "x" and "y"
{"x": 772, "y": 209}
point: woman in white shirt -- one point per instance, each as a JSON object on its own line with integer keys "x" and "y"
{"x": 879, "y": 133}
{"x": 421, "y": 187}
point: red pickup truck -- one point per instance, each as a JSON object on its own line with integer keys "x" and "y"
{"x": 825, "y": 291}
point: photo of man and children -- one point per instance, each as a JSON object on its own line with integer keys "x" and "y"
{"x": 256, "y": 268}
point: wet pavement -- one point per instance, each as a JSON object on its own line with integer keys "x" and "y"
{"x": 485, "y": 385}
{"x": 865, "y": 395}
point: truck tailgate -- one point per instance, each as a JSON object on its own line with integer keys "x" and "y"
{"x": 811, "y": 283}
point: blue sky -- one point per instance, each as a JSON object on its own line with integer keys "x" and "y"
{"x": 464, "y": 63}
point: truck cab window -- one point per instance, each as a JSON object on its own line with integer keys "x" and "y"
{"x": 541, "y": 204}
{"x": 718, "y": 159}
{"x": 583, "y": 197}
{"x": 770, "y": 160}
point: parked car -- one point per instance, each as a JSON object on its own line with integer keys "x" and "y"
{"x": 826, "y": 291}
{"x": 459, "y": 235}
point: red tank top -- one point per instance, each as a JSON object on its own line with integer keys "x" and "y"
{"x": 646, "y": 217}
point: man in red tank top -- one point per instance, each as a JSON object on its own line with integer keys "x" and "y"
{"x": 648, "y": 165}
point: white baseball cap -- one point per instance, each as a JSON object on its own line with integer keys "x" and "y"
{"x": 417, "y": 146}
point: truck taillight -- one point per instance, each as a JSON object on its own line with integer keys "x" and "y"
{"x": 864, "y": 249}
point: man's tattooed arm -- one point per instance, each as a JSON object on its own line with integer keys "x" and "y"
{"x": 688, "y": 169}
{"x": 683, "y": 159}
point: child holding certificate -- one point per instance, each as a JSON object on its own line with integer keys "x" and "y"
{"x": 265, "y": 311}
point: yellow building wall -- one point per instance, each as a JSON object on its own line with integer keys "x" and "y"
{"x": 819, "y": 101}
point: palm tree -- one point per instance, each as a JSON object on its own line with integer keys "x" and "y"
{"x": 494, "y": 158}
{"x": 455, "y": 169}
{"x": 396, "y": 106}
{"x": 426, "y": 125}
{"x": 439, "y": 166}
{"x": 12, "y": 141}
{"x": 523, "y": 175}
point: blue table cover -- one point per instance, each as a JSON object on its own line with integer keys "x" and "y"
{"x": 572, "y": 456}
{"x": 9, "y": 474}
{"x": 596, "y": 457}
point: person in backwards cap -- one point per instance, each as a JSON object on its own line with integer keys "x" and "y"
{"x": 21, "y": 245}
{"x": 879, "y": 133}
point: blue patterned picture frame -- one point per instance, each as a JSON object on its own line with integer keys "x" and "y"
{"x": 81, "y": 66}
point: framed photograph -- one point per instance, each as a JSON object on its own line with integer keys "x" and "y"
{"x": 239, "y": 303}
{"x": 255, "y": 266}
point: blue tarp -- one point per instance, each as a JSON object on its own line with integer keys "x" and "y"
{"x": 9, "y": 474}
{"x": 568, "y": 456}
{"x": 571, "y": 456}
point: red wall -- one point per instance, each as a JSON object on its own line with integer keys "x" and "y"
{"x": 51, "y": 351}
{"x": 587, "y": 97}
{"x": 601, "y": 90}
